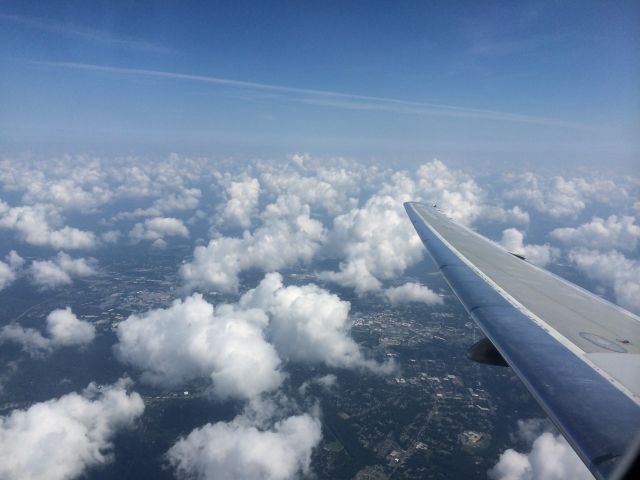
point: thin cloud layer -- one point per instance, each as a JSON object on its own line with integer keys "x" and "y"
{"x": 64, "y": 437}
{"x": 328, "y": 98}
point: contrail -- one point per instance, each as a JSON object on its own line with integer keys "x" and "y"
{"x": 330, "y": 98}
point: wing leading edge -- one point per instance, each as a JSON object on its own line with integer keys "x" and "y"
{"x": 578, "y": 355}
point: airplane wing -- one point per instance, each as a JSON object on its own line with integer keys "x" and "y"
{"x": 577, "y": 354}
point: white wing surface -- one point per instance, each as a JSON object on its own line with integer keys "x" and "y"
{"x": 577, "y": 354}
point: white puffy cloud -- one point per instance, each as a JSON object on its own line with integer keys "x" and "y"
{"x": 377, "y": 241}
{"x": 9, "y": 269}
{"x": 67, "y": 194}
{"x": 308, "y": 324}
{"x": 248, "y": 448}
{"x": 63, "y": 437}
{"x": 32, "y": 223}
{"x": 242, "y": 203}
{"x": 327, "y": 189}
{"x": 542, "y": 255}
{"x": 229, "y": 344}
{"x": 412, "y": 292}
{"x": 63, "y": 327}
{"x": 550, "y": 458}
{"x": 191, "y": 340}
{"x": 184, "y": 199}
{"x": 61, "y": 270}
{"x": 279, "y": 243}
{"x": 614, "y": 270}
{"x": 614, "y": 232}
{"x": 455, "y": 192}
{"x": 86, "y": 184}
{"x": 559, "y": 197}
{"x": 67, "y": 183}
{"x": 374, "y": 242}
{"x": 66, "y": 329}
{"x": 513, "y": 215}
{"x": 158, "y": 228}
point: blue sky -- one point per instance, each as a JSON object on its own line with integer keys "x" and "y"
{"x": 464, "y": 81}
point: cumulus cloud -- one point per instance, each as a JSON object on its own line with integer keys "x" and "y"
{"x": 242, "y": 203}
{"x": 238, "y": 347}
{"x": 61, "y": 270}
{"x": 412, "y": 292}
{"x": 614, "y": 232}
{"x": 63, "y": 327}
{"x": 191, "y": 340}
{"x": 560, "y": 197}
{"x": 184, "y": 199}
{"x": 377, "y": 241}
{"x": 249, "y": 448}
{"x": 66, "y": 329}
{"x": 308, "y": 324}
{"x": 455, "y": 192}
{"x": 550, "y": 458}
{"x": 9, "y": 269}
{"x": 158, "y": 228}
{"x": 67, "y": 194}
{"x": 327, "y": 189}
{"x": 542, "y": 255}
{"x": 374, "y": 241}
{"x": 32, "y": 225}
{"x": 63, "y": 437}
{"x": 614, "y": 270}
{"x": 513, "y": 215}
{"x": 279, "y": 243}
